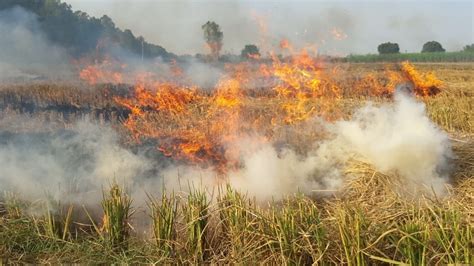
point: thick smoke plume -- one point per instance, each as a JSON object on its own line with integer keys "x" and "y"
{"x": 70, "y": 165}
{"x": 74, "y": 165}
{"x": 399, "y": 139}
{"x": 396, "y": 138}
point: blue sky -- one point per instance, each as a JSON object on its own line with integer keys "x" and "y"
{"x": 333, "y": 27}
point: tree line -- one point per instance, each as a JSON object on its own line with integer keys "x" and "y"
{"x": 80, "y": 33}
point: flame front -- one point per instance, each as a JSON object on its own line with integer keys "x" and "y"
{"x": 424, "y": 84}
{"x": 203, "y": 127}
{"x": 107, "y": 71}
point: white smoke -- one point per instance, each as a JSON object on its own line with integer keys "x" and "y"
{"x": 74, "y": 165}
{"x": 25, "y": 52}
{"x": 399, "y": 139}
{"x": 71, "y": 165}
{"x": 396, "y": 138}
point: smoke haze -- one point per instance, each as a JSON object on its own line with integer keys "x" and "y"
{"x": 74, "y": 165}
{"x": 70, "y": 165}
{"x": 25, "y": 52}
{"x": 396, "y": 138}
{"x": 363, "y": 24}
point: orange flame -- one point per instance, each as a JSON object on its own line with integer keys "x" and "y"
{"x": 203, "y": 127}
{"x": 424, "y": 84}
{"x": 102, "y": 73}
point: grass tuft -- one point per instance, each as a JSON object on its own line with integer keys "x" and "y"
{"x": 163, "y": 215}
{"x": 116, "y": 205}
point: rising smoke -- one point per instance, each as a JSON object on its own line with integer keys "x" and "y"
{"x": 396, "y": 138}
{"x": 70, "y": 165}
{"x": 25, "y": 53}
{"x": 194, "y": 71}
{"x": 74, "y": 165}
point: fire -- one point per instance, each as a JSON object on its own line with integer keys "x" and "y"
{"x": 185, "y": 137}
{"x": 204, "y": 127}
{"x": 105, "y": 72}
{"x": 424, "y": 84}
{"x": 300, "y": 81}
{"x": 372, "y": 85}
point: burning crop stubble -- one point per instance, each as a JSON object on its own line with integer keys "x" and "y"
{"x": 269, "y": 158}
{"x": 216, "y": 137}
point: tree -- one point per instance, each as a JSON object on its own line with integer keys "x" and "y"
{"x": 469, "y": 48}
{"x": 432, "y": 47}
{"x": 388, "y": 48}
{"x": 213, "y": 36}
{"x": 107, "y": 22}
{"x": 250, "y": 51}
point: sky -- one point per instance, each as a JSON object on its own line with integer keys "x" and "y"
{"x": 330, "y": 27}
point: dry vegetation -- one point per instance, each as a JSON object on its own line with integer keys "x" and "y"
{"x": 370, "y": 222}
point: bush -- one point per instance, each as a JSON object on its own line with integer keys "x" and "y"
{"x": 388, "y": 48}
{"x": 432, "y": 47}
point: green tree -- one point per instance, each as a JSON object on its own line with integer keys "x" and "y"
{"x": 469, "y": 48}
{"x": 432, "y": 47}
{"x": 213, "y": 37}
{"x": 250, "y": 51}
{"x": 388, "y": 48}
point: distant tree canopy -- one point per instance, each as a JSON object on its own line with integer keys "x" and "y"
{"x": 250, "y": 51}
{"x": 469, "y": 48}
{"x": 78, "y": 32}
{"x": 213, "y": 37}
{"x": 432, "y": 47}
{"x": 388, "y": 48}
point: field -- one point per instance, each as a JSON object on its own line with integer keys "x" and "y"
{"x": 460, "y": 56}
{"x": 369, "y": 220}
